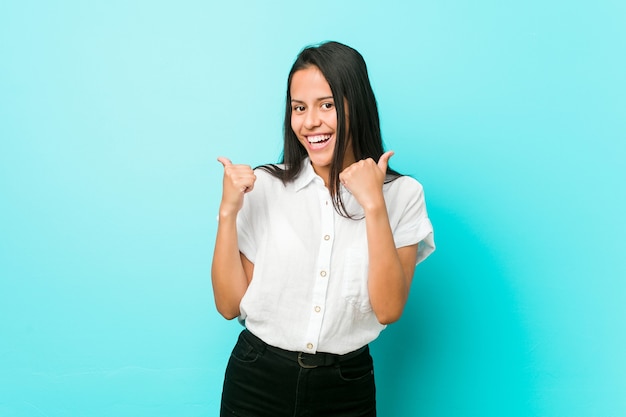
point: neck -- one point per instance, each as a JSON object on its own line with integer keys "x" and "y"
{"x": 323, "y": 173}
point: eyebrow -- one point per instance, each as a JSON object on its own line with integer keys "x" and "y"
{"x": 318, "y": 99}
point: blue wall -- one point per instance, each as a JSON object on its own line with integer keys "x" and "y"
{"x": 512, "y": 115}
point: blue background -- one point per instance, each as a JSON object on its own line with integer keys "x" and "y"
{"x": 511, "y": 114}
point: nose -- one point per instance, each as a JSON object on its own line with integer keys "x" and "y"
{"x": 312, "y": 119}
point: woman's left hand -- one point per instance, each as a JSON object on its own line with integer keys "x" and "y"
{"x": 365, "y": 179}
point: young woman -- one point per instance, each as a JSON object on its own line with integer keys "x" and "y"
{"x": 315, "y": 256}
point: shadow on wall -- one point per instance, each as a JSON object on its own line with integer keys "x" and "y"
{"x": 461, "y": 348}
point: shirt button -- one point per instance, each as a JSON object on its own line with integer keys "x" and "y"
{"x": 318, "y": 309}
{"x": 323, "y": 273}
{"x": 327, "y": 237}
{"x": 309, "y": 346}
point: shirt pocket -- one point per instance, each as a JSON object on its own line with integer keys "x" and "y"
{"x": 354, "y": 279}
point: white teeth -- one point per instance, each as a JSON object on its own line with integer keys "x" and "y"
{"x": 318, "y": 138}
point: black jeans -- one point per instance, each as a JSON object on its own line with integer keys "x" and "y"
{"x": 262, "y": 382}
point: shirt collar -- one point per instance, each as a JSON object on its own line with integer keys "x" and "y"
{"x": 307, "y": 174}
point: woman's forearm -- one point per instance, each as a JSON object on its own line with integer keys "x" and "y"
{"x": 390, "y": 269}
{"x": 227, "y": 272}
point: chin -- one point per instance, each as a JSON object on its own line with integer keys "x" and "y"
{"x": 320, "y": 161}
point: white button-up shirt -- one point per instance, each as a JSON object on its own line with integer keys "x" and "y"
{"x": 309, "y": 288}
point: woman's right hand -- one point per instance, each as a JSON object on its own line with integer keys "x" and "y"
{"x": 238, "y": 180}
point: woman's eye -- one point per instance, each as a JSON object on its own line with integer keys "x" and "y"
{"x": 327, "y": 106}
{"x": 298, "y": 108}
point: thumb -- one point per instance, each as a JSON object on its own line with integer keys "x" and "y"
{"x": 224, "y": 161}
{"x": 384, "y": 160}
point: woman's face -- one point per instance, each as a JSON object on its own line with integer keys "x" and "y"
{"x": 314, "y": 118}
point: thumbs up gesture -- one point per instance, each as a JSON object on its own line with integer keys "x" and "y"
{"x": 365, "y": 179}
{"x": 238, "y": 180}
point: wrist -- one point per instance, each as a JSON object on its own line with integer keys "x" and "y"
{"x": 226, "y": 214}
{"x": 375, "y": 206}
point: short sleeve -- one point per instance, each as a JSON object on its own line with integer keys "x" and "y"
{"x": 249, "y": 223}
{"x": 245, "y": 238}
{"x": 409, "y": 217}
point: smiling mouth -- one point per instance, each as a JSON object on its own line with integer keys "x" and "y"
{"x": 318, "y": 139}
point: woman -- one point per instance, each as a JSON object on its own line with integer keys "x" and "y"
{"x": 315, "y": 256}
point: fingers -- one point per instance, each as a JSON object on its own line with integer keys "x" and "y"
{"x": 239, "y": 177}
{"x": 383, "y": 162}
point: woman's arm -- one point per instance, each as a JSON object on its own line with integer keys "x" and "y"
{"x": 390, "y": 269}
{"x": 231, "y": 271}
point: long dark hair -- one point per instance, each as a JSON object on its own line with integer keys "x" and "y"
{"x": 346, "y": 73}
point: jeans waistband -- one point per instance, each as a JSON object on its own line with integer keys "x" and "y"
{"x": 305, "y": 360}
